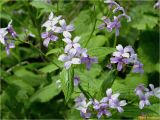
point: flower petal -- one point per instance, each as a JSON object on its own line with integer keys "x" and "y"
{"x": 76, "y": 61}
{"x": 46, "y": 42}
{"x": 66, "y": 34}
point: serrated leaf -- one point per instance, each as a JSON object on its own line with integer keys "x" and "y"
{"x": 49, "y": 68}
{"x": 100, "y": 52}
{"x": 66, "y": 77}
{"x": 45, "y": 94}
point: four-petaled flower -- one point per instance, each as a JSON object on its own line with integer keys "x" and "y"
{"x": 88, "y": 61}
{"x": 48, "y": 36}
{"x": 50, "y": 24}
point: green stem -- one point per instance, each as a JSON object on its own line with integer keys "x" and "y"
{"x": 86, "y": 94}
{"x": 93, "y": 28}
{"x": 37, "y": 50}
{"x": 115, "y": 41}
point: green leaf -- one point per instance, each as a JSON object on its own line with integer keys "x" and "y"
{"x": 41, "y": 4}
{"x": 49, "y": 68}
{"x": 54, "y": 51}
{"x": 66, "y": 77}
{"x": 45, "y": 94}
{"x": 97, "y": 41}
{"x": 107, "y": 83}
{"x": 100, "y": 52}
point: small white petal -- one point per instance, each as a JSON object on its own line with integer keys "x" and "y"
{"x": 76, "y": 61}
{"x": 62, "y": 23}
{"x": 157, "y": 92}
{"x": 76, "y": 45}
{"x": 125, "y": 55}
{"x": 66, "y": 34}
{"x": 141, "y": 104}
{"x": 67, "y": 48}
{"x": 72, "y": 51}
{"x": 51, "y": 16}
{"x": 119, "y": 47}
{"x": 67, "y": 40}
{"x": 63, "y": 57}
{"x": 76, "y": 39}
{"x": 122, "y": 103}
{"x": 109, "y": 92}
{"x": 67, "y": 64}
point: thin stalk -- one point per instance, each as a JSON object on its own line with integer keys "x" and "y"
{"x": 86, "y": 94}
{"x": 115, "y": 41}
{"x": 93, "y": 28}
{"x": 37, "y": 50}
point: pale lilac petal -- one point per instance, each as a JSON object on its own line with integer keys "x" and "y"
{"x": 51, "y": 16}
{"x": 68, "y": 64}
{"x": 125, "y": 55}
{"x": 62, "y": 23}
{"x": 114, "y": 60}
{"x": 122, "y": 103}
{"x": 67, "y": 40}
{"x": 120, "y": 109}
{"x": 67, "y": 48}
{"x": 119, "y": 66}
{"x": 109, "y": 92}
{"x": 58, "y": 30}
{"x": 63, "y": 57}
{"x": 46, "y": 42}
{"x": 72, "y": 51}
{"x": 115, "y": 96}
{"x": 141, "y": 104}
{"x": 76, "y": 45}
{"x": 66, "y": 34}
{"x": 54, "y": 38}
{"x": 117, "y": 32}
{"x": 70, "y": 27}
{"x": 11, "y": 45}
{"x": 76, "y": 61}
{"x": 119, "y": 47}
{"x": 117, "y": 54}
{"x": 76, "y": 39}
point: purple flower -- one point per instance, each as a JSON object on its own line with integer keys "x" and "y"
{"x": 104, "y": 25}
{"x": 154, "y": 91}
{"x": 88, "y": 61}
{"x": 11, "y": 30}
{"x": 69, "y": 60}
{"x": 48, "y": 36}
{"x": 51, "y": 22}
{"x": 71, "y": 45}
{"x": 76, "y": 81}
{"x": 64, "y": 27}
{"x": 140, "y": 90}
{"x": 124, "y": 56}
{"x": 81, "y": 103}
{"x": 115, "y": 103}
{"x": 144, "y": 100}
{"x": 138, "y": 68}
{"x": 8, "y": 46}
{"x": 85, "y": 115}
{"x": 3, "y": 33}
{"x": 101, "y": 108}
{"x": 115, "y": 24}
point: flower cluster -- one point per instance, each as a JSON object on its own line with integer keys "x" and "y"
{"x": 52, "y": 28}
{"x": 74, "y": 54}
{"x": 6, "y": 34}
{"x": 101, "y": 107}
{"x": 144, "y": 94}
{"x": 115, "y": 24}
{"x": 124, "y": 56}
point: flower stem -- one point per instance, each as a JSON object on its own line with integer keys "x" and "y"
{"x": 115, "y": 41}
{"x": 86, "y": 94}
{"x": 94, "y": 25}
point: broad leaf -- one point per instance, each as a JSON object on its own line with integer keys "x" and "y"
{"x": 66, "y": 77}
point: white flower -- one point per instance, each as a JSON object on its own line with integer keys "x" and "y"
{"x": 69, "y": 60}
{"x": 3, "y": 33}
{"x": 51, "y": 22}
